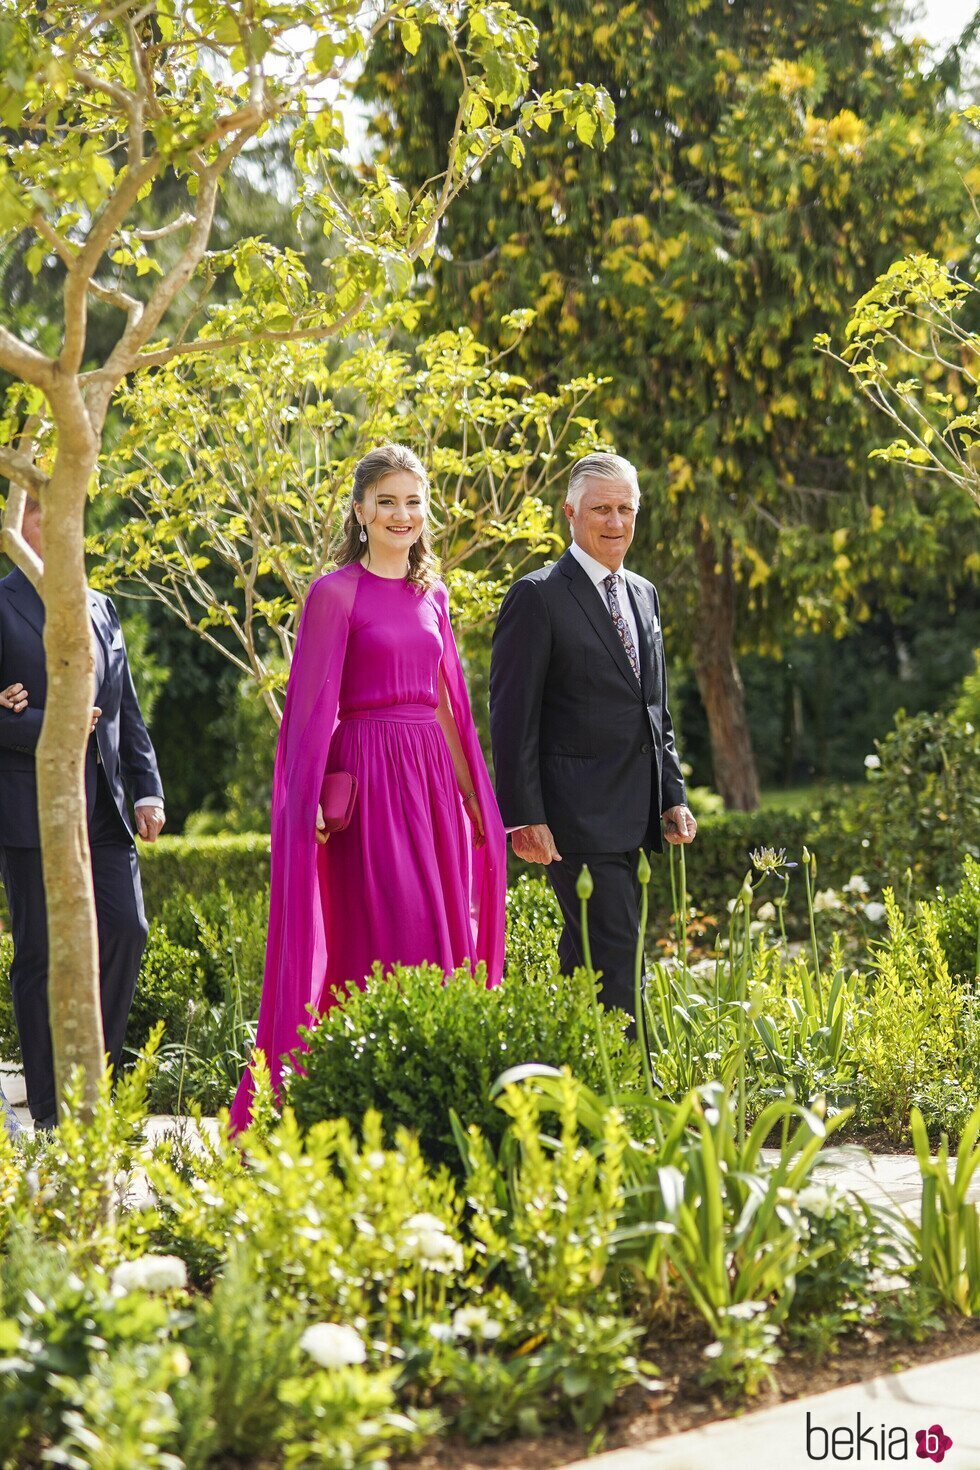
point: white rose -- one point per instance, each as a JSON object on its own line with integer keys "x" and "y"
{"x": 820, "y": 1200}
{"x": 424, "y": 1222}
{"x": 150, "y": 1273}
{"x": 333, "y": 1345}
{"x": 856, "y": 884}
{"x": 825, "y": 901}
{"x": 435, "y": 1250}
{"x": 875, "y": 912}
{"x": 476, "y": 1322}
{"x": 873, "y": 762}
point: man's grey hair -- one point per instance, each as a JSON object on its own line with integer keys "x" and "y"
{"x": 599, "y": 467}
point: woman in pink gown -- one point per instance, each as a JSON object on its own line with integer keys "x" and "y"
{"x": 376, "y": 689}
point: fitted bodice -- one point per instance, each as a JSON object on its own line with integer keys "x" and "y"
{"x": 394, "y": 647}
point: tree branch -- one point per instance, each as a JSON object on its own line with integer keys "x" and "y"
{"x": 25, "y": 362}
{"x": 20, "y": 470}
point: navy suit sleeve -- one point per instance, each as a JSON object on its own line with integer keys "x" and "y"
{"x": 518, "y": 670}
{"x": 672, "y": 790}
{"x": 137, "y": 759}
{"x": 19, "y": 732}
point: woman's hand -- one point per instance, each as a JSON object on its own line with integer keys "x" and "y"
{"x": 14, "y": 697}
{"x": 472, "y": 807}
{"x": 322, "y": 835}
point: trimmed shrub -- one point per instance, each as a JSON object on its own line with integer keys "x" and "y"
{"x": 417, "y": 1043}
{"x": 171, "y": 977}
{"x": 920, "y": 811}
{"x": 199, "y": 865}
{"x": 959, "y": 922}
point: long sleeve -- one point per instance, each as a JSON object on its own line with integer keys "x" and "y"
{"x": 137, "y": 758}
{"x": 296, "y": 953}
{"x": 20, "y": 732}
{"x": 672, "y": 789}
{"x": 489, "y": 863}
{"x": 518, "y": 670}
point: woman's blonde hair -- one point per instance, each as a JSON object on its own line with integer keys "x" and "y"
{"x": 387, "y": 459}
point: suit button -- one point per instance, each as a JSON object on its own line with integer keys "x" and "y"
{"x": 646, "y": 748}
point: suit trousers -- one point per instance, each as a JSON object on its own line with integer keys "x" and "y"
{"x": 122, "y": 931}
{"x": 613, "y": 918}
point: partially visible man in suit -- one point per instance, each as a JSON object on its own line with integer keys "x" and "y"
{"x": 120, "y": 758}
{"x": 583, "y": 744}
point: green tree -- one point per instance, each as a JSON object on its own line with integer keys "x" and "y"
{"x": 237, "y": 484}
{"x": 106, "y": 105}
{"x": 914, "y": 354}
{"x": 768, "y": 162}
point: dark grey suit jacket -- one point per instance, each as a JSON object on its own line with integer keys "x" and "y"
{"x": 577, "y": 742}
{"x": 121, "y": 737}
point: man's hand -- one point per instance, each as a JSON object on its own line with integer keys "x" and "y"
{"x": 96, "y": 713}
{"x": 535, "y": 844}
{"x": 14, "y": 697}
{"x": 679, "y": 825}
{"x": 149, "y": 821}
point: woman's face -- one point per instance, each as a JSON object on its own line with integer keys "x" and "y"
{"x": 393, "y": 511}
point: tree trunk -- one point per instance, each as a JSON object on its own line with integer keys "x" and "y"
{"x": 73, "y": 975}
{"x": 718, "y": 678}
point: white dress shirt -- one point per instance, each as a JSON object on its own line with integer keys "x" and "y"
{"x": 598, "y": 574}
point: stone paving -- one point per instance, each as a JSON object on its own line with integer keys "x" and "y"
{"x": 865, "y": 1423}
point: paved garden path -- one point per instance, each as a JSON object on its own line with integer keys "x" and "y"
{"x": 851, "y": 1425}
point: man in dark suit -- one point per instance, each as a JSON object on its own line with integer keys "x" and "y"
{"x": 583, "y": 744}
{"x": 119, "y": 758}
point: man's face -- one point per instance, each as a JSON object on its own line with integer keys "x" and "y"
{"x": 32, "y": 528}
{"x": 605, "y": 520}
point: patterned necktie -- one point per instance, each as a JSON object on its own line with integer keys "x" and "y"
{"x": 621, "y": 625}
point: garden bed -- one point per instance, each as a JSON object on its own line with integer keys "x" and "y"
{"x": 640, "y": 1416}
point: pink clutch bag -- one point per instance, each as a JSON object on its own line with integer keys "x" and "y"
{"x": 337, "y": 800}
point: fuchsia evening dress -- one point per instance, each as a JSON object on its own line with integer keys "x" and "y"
{"x": 404, "y": 882}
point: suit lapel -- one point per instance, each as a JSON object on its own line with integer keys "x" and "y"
{"x": 584, "y": 592}
{"x": 100, "y": 645}
{"x": 28, "y": 604}
{"x": 25, "y": 601}
{"x": 646, "y": 626}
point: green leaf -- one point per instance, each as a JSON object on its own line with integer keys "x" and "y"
{"x": 411, "y": 36}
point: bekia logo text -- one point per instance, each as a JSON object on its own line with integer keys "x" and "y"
{"x": 873, "y": 1443}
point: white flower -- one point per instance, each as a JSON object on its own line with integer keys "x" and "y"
{"x": 427, "y": 1241}
{"x": 821, "y": 1200}
{"x": 875, "y": 912}
{"x": 476, "y": 1322}
{"x": 857, "y": 884}
{"x": 873, "y": 762}
{"x": 731, "y": 905}
{"x": 375, "y": 1159}
{"x": 333, "y": 1345}
{"x": 767, "y": 912}
{"x": 424, "y": 1222}
{"x": 825, "y": 900}
{"x": 150, "y": 1273}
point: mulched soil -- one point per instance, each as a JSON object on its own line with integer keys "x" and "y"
{"x": 640, "y": 1416}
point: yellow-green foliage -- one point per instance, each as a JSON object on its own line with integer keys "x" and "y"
{"x": 907, "y": 1035}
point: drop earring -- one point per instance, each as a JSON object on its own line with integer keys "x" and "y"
{"x": 363, "y": 536}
